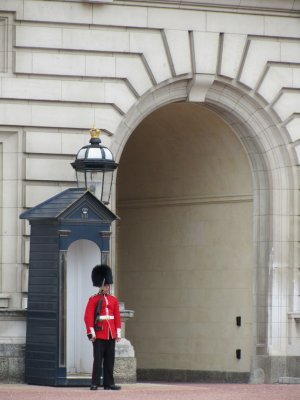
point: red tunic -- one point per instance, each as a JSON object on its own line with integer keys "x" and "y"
{"x": 110, "y": 317}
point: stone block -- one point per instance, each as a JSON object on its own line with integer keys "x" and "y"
{"x": 43, "y": 142}
{"x": 297, "y": 149}
{"x": 23, "y": 62}
{"x": 12, "y": 363}
{"x": 294, "y": 366}
{"x": 259, "y": 53}
{"x": 133, "y": 69}
{"x": 49, "y": 169}
{"x": 13, "y": 328}
{"x": 4, "y": 369}
{"x": 10, "y": 255}
{"x": 4, "y": 300}
{"x": 150, "y": 44}
{"x": 281, "y": 26}
{"x": 199, "y": 87}
{"x": 178, "y": 91}
{"x": 38, "y": 36}
{"x": 278, "y": 368}
{"x": 125, "y": 370}
{"x": 57, "y": 11}
{"x": 233, "y": 48}
{"x": 179, "y": 46}
{"x": 123, "y": 132}
{"x": 3, "y": 44}
{"x": 118, "y": 93}
{"x": 89, "y": 92}
{"x": 124, "y": 349}
{"x": 26, "y": 252}
{"x": 15, "y": 114}
{"x": 32, "y": 89}
{"x": 289, "y": 380}
{"x": 101, "y": 66}
{"x": 107, "y": 118}
{"x": 10, "y": 172}
{"x": 10, "y": 221}
{"x": 24, "y": 279}
{"x": 58, "y": 64}
{"x": 206, "y": 52}
{"x": 59, "y": 116}
{"x": 145, "y": 107}
{"x": 176, "y": 19}
{"x": 12, "y": 350}
{"x": 10, "y": 138}
{"x": 126, "y": 16}
{"x": 108, "y": 39}
{"x": 290, "y": 51}
{"x": 16, "y": 369}
{"x": 274, "y": 80}
{"x": 293, "y": 128}
{"x": 10, "y": 198}
{"x": 287, "y": 104}
{"x": 235, "y": 23}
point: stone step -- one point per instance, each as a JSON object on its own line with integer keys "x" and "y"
{"x": 289, "y": 379}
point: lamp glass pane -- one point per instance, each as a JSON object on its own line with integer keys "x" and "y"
{"x": 99, "y": 183}
{"x": 95, "y": 152}
{"x": 80, "y": 175}
{"x": 94, "y": 181}
{"x": 107, "y": 182}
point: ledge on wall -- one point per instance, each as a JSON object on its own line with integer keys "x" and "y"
{"x": 90, "y": 1}
{"x": 7, "y": 314}
{"x": 4, "y": 300}
{"x": 294, "y": 315}
{"x": 281, "y": 6}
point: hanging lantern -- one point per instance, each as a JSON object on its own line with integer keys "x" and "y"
{"x": 94, "y": 167}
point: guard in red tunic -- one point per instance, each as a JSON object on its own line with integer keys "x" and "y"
{"x": 103, "y": 325}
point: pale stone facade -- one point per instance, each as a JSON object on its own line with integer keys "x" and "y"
{"x": 200, "y": 103}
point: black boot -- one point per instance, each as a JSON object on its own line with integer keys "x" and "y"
{"x": 112, "y": 387}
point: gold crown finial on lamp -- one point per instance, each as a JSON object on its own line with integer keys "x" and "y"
{"x": 95, "y": 132}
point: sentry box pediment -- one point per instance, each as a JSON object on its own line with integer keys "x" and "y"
{"x": 71, "y": 204}
{"x": 74, "y": 214}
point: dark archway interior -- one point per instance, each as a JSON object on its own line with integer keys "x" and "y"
{"x": 184, "y": 243}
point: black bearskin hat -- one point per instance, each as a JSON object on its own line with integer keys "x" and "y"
{"x": 102, "y": 273}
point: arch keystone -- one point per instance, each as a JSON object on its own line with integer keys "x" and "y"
{"x": 199, "y": 86}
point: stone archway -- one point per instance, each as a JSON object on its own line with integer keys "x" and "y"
{"x": 271, "y": 164}
{"x": 185, "y": 199}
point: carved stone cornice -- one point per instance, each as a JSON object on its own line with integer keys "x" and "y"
{"x": 267, "y": 7}
{"x": 248, "y": 6}
{"x": 13, "y": 314}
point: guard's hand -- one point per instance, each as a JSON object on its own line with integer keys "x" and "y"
{"x": 91, "y": 337}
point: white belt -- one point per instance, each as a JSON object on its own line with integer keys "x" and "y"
{"x": 105, "y": 317}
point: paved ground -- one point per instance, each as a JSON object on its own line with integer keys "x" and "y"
{"x": 155, "y": 391}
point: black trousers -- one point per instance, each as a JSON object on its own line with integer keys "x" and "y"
{"x": 104, "y": 353}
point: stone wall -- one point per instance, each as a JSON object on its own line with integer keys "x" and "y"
{"x": 67, "y": 65}
{"x": 12, "y": 346}
{"x": 12, "y": 365}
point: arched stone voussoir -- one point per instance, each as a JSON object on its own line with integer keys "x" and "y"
{"x": 254, "y": 125}
{"x": 166, "y": 93}
{"x": 239, "y": 107}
